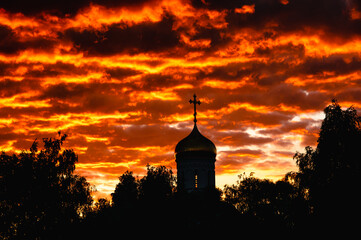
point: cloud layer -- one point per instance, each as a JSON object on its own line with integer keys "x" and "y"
{"x": 116, "y": 76}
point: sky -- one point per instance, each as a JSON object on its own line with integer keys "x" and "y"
{"x": 116, "y": 77}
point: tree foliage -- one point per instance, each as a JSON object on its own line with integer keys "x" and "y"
{"x": 338, "y": 146}
{"x": 330, "y": 174}
{"x": 138, "y": 203}
{"x": 269, "y": 204}
{"x": 126, "y": 191}
{"x": 39, "y": 192}
{"x": 157, "y": 185}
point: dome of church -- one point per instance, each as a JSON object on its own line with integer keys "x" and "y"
{"x": 195, "y": 142}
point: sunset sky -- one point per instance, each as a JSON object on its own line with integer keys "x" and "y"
{"x": 116, "y": 77}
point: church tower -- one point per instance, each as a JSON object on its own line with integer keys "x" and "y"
{"x": 195, "y": 157}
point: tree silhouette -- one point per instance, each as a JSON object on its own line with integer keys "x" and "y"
{"x": 40, "y": 197}
{"x": 276, "y": 206}
{"x": 157, "y": 185}
{"x": 330, "y": 174}
{"x": 138, "y": 204}
{"x": 126, "y": 191}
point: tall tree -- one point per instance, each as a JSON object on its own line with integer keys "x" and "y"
{"x": 330, "y": 174}
{"x": 40, "y": 196}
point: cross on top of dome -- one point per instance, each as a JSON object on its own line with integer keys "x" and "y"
{"x": 195, "y": 102}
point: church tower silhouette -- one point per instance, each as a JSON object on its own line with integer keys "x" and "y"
{"x": 195, "y": 157}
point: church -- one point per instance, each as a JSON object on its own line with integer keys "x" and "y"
{"x": 195, "y": 156}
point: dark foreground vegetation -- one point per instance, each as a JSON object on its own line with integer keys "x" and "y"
{"x": 42, "y": 198}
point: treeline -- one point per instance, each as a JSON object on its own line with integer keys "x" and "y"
{"x": 42, "y": 198}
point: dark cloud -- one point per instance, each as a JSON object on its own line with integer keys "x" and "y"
{"x": 240, "y": 139}
{"x": 120, "y": 38}
{"x": 38, "y": 6}
{"x": 283, "y": 52}
{"x": 134, "y": 136}
{"x": 245, "y": 116}
{"x": 159, "y": 81}
{"x": 129, "y": 3}
{"x": 7, "y": 134}
{"x": 231, "y": 71}
{"x": 236, "y": 160}
{"x": 37, "y": 70}
{"x": 158, "y": 109}
{"x": 60, "y": 69}
{"x": 9, "y": 88}
{"x": 265, "y": 74}
{"x": 350, "y": 94}
{"x": 121, "y": 73}
{"x": 331, "y": 17}
{"x": 294, "y": 96}
{"x": 65, "y": 7}
{"x": 287, "y": 127}
{"x": 218, "y": 5}
{"x": 9, "y": 43}
{"x": 103, "y": 103}
{"x": 217, "y": 38}
{"x": 64, "y": 91}
{"x": 275, "y": 95}
{"x": 147, "y": 135}
{"x": 337, "y": 64}
{"x": 90, "y": 97}
{"x": 233, "y": 164}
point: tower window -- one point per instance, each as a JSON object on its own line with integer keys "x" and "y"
{"x": 196, "y": 180}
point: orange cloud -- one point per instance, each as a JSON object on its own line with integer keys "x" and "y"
{"x": 245, "y": 9}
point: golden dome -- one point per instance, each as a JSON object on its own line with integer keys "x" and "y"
{"x": 195, "y": 142}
